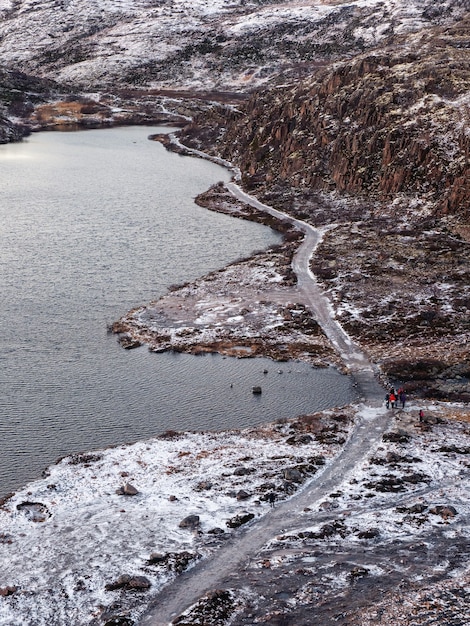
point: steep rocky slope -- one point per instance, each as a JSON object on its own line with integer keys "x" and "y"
{"x": 388, "y": 123}
{"x": 378, "y": 147}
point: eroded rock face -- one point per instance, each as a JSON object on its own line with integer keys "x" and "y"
{"x": 386, "y": 123}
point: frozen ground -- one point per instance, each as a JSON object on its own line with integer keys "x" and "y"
{"x": 68, "y": 539}
{"x": 219, "y": 44}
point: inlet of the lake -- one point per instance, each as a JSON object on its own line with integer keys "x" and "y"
{"x": 93, "y": 223}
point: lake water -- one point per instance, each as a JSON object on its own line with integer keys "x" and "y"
{"x": 92, "y": 224}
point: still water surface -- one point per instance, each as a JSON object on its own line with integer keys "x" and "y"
{"x": 91, "y": 224}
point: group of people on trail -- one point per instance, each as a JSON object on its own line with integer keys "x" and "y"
{"x": 394, "y": 397}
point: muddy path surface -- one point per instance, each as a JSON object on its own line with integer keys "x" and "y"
{"x": 222, "y": 569}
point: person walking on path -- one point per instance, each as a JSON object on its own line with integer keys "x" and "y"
{"x": 393, "y": 400}
{"x": 421, "y": 415}
{"x": 402, "y": 399}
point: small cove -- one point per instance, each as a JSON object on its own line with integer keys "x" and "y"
{"x": 91, "y": 224}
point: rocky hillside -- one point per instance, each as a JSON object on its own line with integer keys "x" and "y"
{"x": 200, "y": 44}
{"x": 387, "y": 125}
{"x": 19, "y": 94}
{"x": 377, "y": 147}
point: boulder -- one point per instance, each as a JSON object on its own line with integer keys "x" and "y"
{"x": 243, "y": 471}
{"x": 34, "y": 511}
{"x": 8, "y": 591}
{"x": 243, "y": 518}
{"x": 127, "y": 490}
{"x": 191, "y": 522}
{"x": 445, "y": 511}
{"x": 242, "y": 495}
{"x": 293, "y": 475}
{"x": 129, "y": 583}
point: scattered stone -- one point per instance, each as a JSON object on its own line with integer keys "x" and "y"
{"x": 299, "y": 440}
{"x": 243, "y": 471}
{"x": 370, "y": 533}
{"x": 204, "y": 485}
{"x": 127, "y": 490}
{"x": 387, "y": 484}
{"x": 415, "y": 509}
{"x": 399, "y": 436}
{"x": 191, "y": 522}
{"x": 240, "y": 519}
{"x": 293, "y": 475}
{"x": 445, "y": 511}
{"x": 120, "y": 621}
{"x": 85, "y": 458}
{"x": 129, "y": 583}
{"x": 242, "y": 495}
{"x": 8, "y": 591}
{"x": 358, "y": 572}
{"x": 327, "y": 505}
{"x": 34, "y": 511}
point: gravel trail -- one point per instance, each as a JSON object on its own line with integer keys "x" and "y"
{"x": 217, "y": 570}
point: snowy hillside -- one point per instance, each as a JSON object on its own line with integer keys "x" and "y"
{"x": 199, "y": 44}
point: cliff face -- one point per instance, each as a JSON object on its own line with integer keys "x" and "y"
{"x": 390, "y": 123}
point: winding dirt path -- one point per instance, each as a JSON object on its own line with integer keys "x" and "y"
{"x": 234, "y": 555}
{"x": 353, "y": 357}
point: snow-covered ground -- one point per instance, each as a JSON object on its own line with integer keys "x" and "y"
{"x": 66, "y": 539}
{"x": 217, "y": 44}
{"x": 68, "y": 535}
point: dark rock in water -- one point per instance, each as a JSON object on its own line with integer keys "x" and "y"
{"x": 127, "y": 490}
{"x": 455, "y": 449}
{"x": 129, "y": 583}
{"x": 257, "y": 390}
{"x": 239, "y": 520}
{"x": 172, "y": 561}
{"x": 157, "y": 558}
{"x": 128, "y": 342}
{"x": 215, "y": 608}
{"x": 191, "y": 522}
